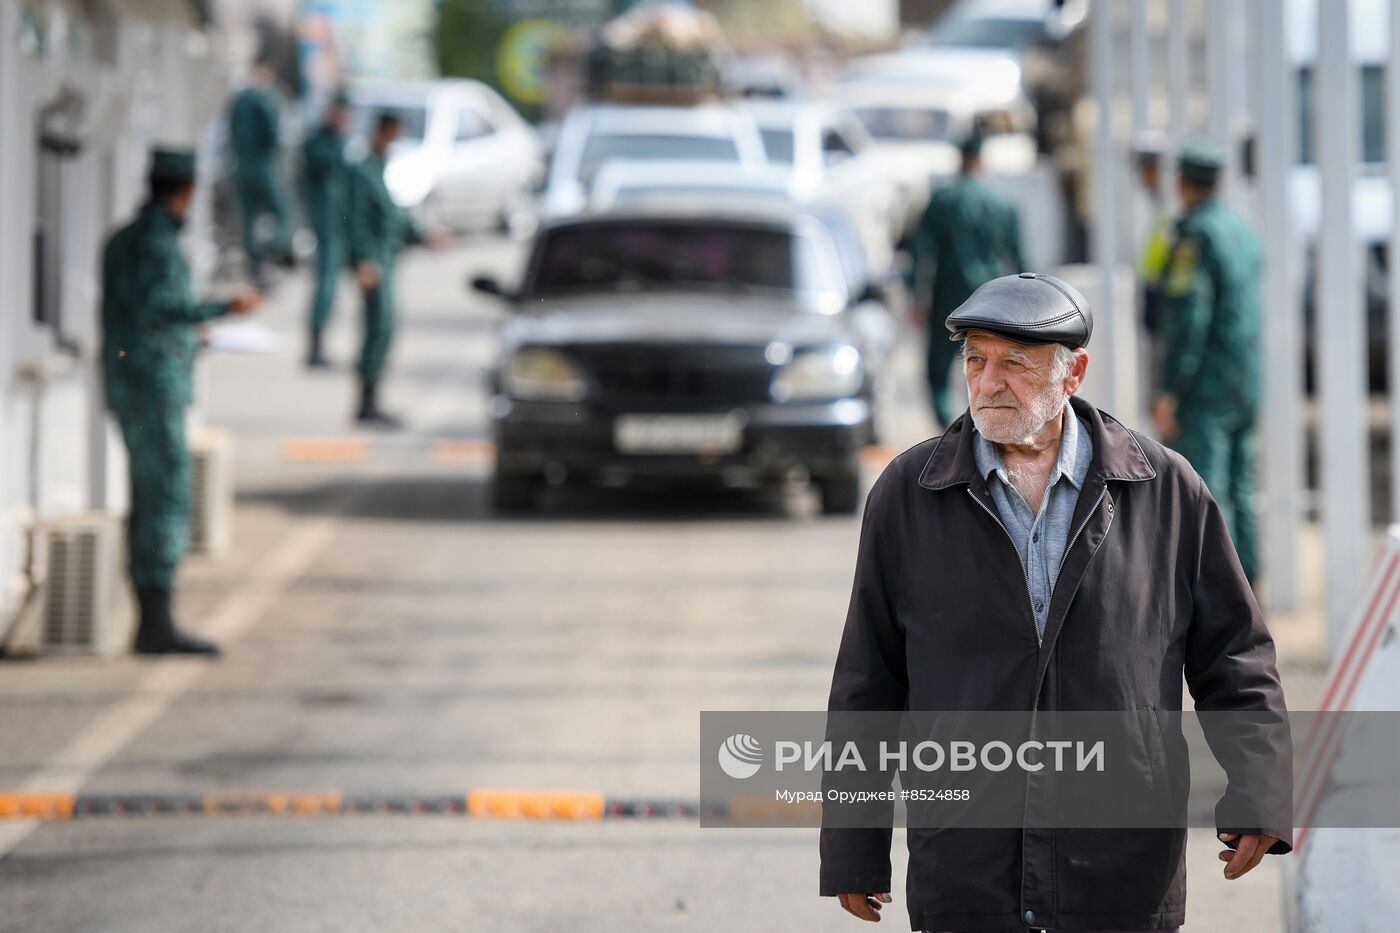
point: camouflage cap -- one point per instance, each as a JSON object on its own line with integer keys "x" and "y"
{"x": 172, "y": 165}
{"x": 1200, "y": 161}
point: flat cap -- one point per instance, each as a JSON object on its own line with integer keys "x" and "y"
{"x": 1030, "y": 308}
{"x": 1200, "y": 161}
{"x": 172, "y": 165}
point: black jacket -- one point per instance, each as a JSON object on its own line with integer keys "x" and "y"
{"x": 940, "y": 619}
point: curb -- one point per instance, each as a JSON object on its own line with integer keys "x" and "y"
{"x": 484, "y": 804}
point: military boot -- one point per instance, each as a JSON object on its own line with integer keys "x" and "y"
{"x": 315, "y": 358}
{"x": 370, "y": 414}
{"x": 158, "y": 633}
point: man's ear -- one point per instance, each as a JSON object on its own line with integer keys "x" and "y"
{"x": 1079, "y": 369}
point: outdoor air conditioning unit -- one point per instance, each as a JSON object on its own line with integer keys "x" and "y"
{"x": 86, "y": 606}
{"x": 211, "y": 493}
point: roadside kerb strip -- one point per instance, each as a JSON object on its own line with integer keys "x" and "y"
{"x": 485, "y": 804}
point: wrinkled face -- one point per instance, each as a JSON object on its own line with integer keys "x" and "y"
{"x": 1012, "y": 387}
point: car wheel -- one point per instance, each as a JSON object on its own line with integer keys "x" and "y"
{"x": 841, "y": 491}
{"x": 513, "y": 492}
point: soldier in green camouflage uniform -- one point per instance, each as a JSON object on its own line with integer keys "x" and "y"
{"x": 969, "y": 234}
{"x": 325, "y": 185}
{"x": 1209, "y": 386}
{"x": 149, "y": 315}
{"x": 378, "y": 230}
{"x": 253, "y": 120}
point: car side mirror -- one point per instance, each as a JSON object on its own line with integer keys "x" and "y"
{"x": 487, "y": 285}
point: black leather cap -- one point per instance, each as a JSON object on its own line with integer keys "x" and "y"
{"x": 1032, "y": 308}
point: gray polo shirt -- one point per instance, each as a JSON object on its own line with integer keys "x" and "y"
{"x": 1040, "y": 539}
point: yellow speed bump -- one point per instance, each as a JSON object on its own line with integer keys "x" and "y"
{"x": 325, "y": 450}
{"x": 36, "y": 806}
{"x": 279, "y": 804}
{"x": 765, "y": 810}
{"x": 472, "y": 452}
{"x": 535, "y": 805}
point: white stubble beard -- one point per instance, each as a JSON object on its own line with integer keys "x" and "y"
{"x": 1020, "y": 426}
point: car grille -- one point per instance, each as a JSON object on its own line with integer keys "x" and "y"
{"x": 679, "y": 377}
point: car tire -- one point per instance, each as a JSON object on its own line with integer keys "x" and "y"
{"x": 841, "y": 490}
{"x": 513, "y": 493}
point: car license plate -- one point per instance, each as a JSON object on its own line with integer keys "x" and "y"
{"x": 678, "y": 434}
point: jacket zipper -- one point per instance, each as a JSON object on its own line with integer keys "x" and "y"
{"x": 1025, "y": 574}
{"x": 1065, "y": 556}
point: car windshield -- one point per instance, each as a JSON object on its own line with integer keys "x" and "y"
{"x": 905, "y": 124}
{"x": 413, "y": 120}
{"x": 987, "y": 33}
{"x": 601, "y": 149}
{"x": 778, "y": 144}
{"x": 669, "y": 255}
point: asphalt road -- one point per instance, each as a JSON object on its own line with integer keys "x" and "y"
{"x": 386, "y": 634}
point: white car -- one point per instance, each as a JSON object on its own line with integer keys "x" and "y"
{"x": 638, "y": 184}
{"x": 593, "y": 136}
{"x": 918, "y": 106}
{"x": 828, "y": 156}
{"x": 464, "y": 158}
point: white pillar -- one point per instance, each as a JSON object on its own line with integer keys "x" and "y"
{"x": 1341, "y": 337}
{"x": 1178, "y": 91}
{"x": 1281, "y": 463}
{"x": 1218, "y": 86}
{"x": 1103, "y": 239}
{"x": 1392, "y": 154}
{"x": 10, "y": 308}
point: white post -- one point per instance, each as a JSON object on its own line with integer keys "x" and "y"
{"x": 1392, "y": 155}
{"x": 1140, "y": 60}
{"x": 1178, "y": 92}
{"x": 1340, "y": 341}
{"x": 12, "y": 310}
{"x": 1281, "y": 465}
{"x": 1103, "y": 237}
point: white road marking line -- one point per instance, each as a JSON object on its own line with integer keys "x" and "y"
{"x": 105, "y": 737}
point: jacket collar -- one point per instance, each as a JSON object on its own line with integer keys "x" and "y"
{"x": 1117, "y": 454}
{"x": 159, "y": 214}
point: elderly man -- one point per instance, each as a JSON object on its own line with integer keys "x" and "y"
{"x": 1041, "y": 556}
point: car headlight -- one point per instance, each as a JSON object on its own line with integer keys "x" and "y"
{"x": 831, "y": 372}
{"x": 541, "y": 374}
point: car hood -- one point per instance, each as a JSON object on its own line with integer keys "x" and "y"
{"x": 681, "y": 318}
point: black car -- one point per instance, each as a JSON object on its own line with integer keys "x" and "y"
{"x": 708, "y": 344}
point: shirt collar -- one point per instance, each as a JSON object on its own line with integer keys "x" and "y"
{"x": 1072, "y": 462}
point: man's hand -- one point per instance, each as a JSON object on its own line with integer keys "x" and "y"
{"x": 1249, "y": 851}
{"x": 864, "y": 906}
{"x": 1164, "y": 416}
{"x": 245, "y": 301}
{"x": 368, "y": 273}
{"x": 437, "y": 240}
